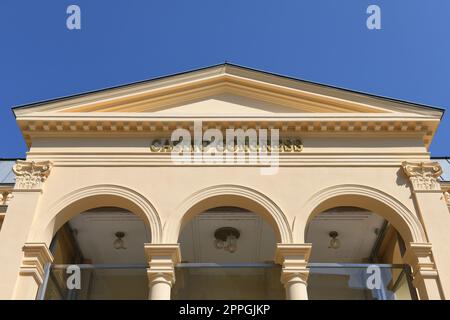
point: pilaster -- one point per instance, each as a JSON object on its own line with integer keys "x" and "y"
{"x": 425, "y": 275}
{"x": 431, "y": 267}
{"x": 23, "y": 205}
{"x": 35, "y": 257}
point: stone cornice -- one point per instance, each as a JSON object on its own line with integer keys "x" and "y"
{"x": 31, "y": 174}
{"x": 314, "y": 125}
{"x": 315, "y": 108}
{"x": 218, "y": 79}
{"x": 423, "y": 175}
{"x": 305, "y": 158}
{"x": 35, "y": 257}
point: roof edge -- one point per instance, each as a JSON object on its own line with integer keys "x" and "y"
{"x": 225, "y": 64}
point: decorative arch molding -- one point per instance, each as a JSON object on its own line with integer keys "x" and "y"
{"x": 227, "y": 195}
{"x": 405, "y": 221}
{"x": 90, "y": 197}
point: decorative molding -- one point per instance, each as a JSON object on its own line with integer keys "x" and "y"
{"x": 447, "y": 198}
{"x": 307, "y": 158}
{"x": 173, "y": 225}
{"x": 130, "y": 109}
{"x": 145, "y": 125}
{"x": 445, "y": 186}
{"x": 423, "y": 175}
{"x": 152, "y": 94}
{"x": 294, "y": 259}
{"x": 5, "y": 196}
{"x": 162, "y": 259}
{"x": 411, "y": 228}
{"x": 31, "y": 174}
{"x": 35, "y": 257}
{"x": 8, "y": 198}
{"x": 331, "y": 215}
{"x": 149, "y": 212}
{"x": 420, "y": 257}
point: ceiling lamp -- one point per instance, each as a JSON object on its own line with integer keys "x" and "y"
{"x": 226, "y": 238}
{"x": 119, "y": 243}
{"x": 335, "y": 243}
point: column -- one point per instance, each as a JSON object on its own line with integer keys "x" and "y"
{"x": 22, "y": 209}
{"x": 162, "y": 259}
{"x": 35, "y": 257}
{"x": 433, "y": 212}
{"x": 294, "y": 274}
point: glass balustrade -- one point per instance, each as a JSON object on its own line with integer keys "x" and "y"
{"x": 96, "y": 282}
{"x": 220, "y": 281}
{"x": 227, "y": 281}
{"x": 334, "y": 281}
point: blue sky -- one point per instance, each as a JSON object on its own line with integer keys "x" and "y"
{"x": 126, "y": 41}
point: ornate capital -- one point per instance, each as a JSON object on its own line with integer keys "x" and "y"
{"x": 30, "y": 174}
{"x": 294, "y": 259}
{"x": 162, "y": 259}
{"x": 35, "y": 257}
{"x": 420, "y": 257}
{"x": 423, "y": 175}
{"x": 447, "y": 198}
{"x": 5, "y": 197}
{"x": 445, "y": 186}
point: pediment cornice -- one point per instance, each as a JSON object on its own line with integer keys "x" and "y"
{"x": 230, "y": 78}
{"x": 314, "y": 125}
{"x": 305, "y": 108}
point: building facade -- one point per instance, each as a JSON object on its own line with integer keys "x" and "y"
{"x": 225, "y": 183}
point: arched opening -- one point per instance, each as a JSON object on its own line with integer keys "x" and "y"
{"x": 227, "y": 253}
{"x": 222, "y": 196}
{"x": 98, "y": 254}
{"x": 356, "y": 254}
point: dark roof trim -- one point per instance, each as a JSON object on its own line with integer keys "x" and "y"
{"x": 35, "y": 104}
{"x": 7, "y": 184}
{"x": 233, "y": 65}
{"x": 11, "y": 159}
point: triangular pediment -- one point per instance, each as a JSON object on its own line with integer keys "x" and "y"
{"x": 223, "y": 90}
{"x": 228, "y": 95}
{"x": 224, "y": 105}
{"x": 225, "y": 96}
{"x": 225, "y": 102}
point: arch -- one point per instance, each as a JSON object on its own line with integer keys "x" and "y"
{"x": 78, "y": 201}
{"x": 406, "y": 222}
{"x": 226, "y": 195}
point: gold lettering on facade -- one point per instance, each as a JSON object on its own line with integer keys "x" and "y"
{"x": 286, "y": 145}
